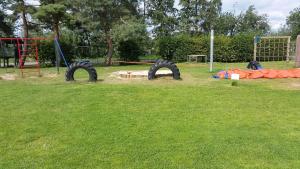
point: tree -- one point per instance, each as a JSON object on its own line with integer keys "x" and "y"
{"x": 293, "y": 22}
{"x": 6, "y": 28}
{"x": 163, "y": 17}
{"x": 212, "y": 12}
{"x": 199, "y": 16}
{"x": 131, "y": 39}
{"x": 226, "y": 24}
{"x": 21, "y": 9}
{"x": 189, "y": 16}
{"x": 99, "y": 16}
{"x": 250, "y": 21}
{"x": 52, "y": 13}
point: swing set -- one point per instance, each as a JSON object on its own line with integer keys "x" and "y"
{"x": 26, "y": 54}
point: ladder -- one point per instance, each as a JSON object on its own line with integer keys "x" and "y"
{"x": 28, "y": 56}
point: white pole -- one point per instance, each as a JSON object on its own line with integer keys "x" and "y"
{"x": 211, "y": 50}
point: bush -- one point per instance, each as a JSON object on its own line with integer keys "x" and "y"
{"x": 129, "y": 50}
{"x": 166, "y": 47}
{"x": 242, "y": 46}
{"x": 226, "y": 49}
{"x": 47, "y": 52}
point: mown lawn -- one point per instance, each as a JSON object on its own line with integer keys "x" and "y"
{"x": 198, "y": 122}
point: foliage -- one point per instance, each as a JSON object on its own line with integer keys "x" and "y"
{"x": 251, "y": 21}
{"x": 227, "y": 23}
{"x": 52, "y": 15}
{"x": 97, "y": 28}
{"x": 293, "y": 21}
{"x": 167, "y": 47}
{"x": 47, "y": 52}
{"x": 198, "y": 17}
{"x": 6, "y": 28}
{"x": 238, "y": 48}
{"x": 163, "y": 17}
{"x": 150, "y": 57}
{"x": 129, "y": 50}
{"x": 100, "y": 16}
{"x": 211, "y": 14}
{"x": 132, "y": 30}
{"x": 242, "y": 47}
{"x": 21, "y": 10}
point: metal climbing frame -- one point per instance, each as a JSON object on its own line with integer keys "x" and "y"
{"x": 27, "y": 54}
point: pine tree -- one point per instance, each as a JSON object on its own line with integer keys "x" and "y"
{"x": 52, "y": 13}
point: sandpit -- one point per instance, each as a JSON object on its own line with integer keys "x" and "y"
{"x": 124, "y": 74}
{"x": 8, "y": 77}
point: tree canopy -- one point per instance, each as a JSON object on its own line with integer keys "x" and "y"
{"x": 293, "y": 21}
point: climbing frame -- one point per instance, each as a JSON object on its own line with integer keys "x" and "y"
{"x": 272, "y": 48}
{"x": 28, "y": 58}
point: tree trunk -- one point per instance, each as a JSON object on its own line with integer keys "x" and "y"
{"x": 25, "y": 32}
{"x": 110, "y": 49}
{"x": 56, "y": 30}
{"x": 25, "y": 25}
{"x": 145, "y": 6}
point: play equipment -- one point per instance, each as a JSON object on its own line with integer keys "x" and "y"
{"x": 26, "y": 52}
{"x": 272, "y": 48}
{"x": 164, "y": 64}
{"x": 69, "y": 75}
{"x": 86, "y": 65}
{"x": 254, "y": 65}
{"x": 256, "y": 74}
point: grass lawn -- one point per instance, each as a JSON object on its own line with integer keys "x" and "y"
{"x": 197, "y": 122}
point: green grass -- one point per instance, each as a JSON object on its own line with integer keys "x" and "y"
{"x": 198, "y": 122}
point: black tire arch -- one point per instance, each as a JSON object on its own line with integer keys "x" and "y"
{"x": 254, "y": 65}
{"x": 81, "y": 65}
{"x": 164, "y": 64}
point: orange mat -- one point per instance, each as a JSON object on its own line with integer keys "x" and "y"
{"x": 256, "y": 74}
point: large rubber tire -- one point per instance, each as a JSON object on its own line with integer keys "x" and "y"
{"x": 81, "y": 65}
{"x": 164, "y": 64}
{"x": 254, "y": 65}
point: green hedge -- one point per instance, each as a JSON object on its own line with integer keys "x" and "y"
{"x": 226, "y": 49}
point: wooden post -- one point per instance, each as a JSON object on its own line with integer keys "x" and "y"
{"x": 298, "y": 52}
{"x": 255, "y": 49}
{"x": 288, "y": 49}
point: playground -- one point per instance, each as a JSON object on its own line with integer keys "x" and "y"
{"x": 149, "y": 84}
{"x": 137, "y": 123}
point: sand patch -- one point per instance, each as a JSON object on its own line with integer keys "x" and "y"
{"x": 142, "y": 74}
{"x": 9, "y": 77}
